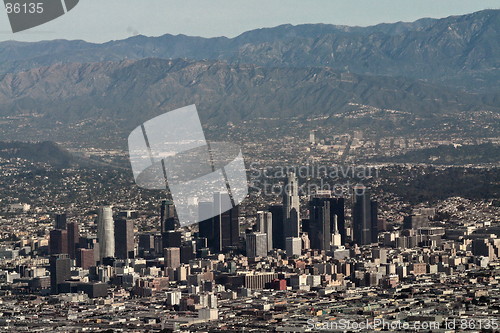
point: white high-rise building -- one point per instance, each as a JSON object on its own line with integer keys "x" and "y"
{"x": 106, "y": 232}
{"x": 265, "y": 225}
{"x": 291, "y": 206}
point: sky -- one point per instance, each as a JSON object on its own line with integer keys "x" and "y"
{"x": 104, "y": 20}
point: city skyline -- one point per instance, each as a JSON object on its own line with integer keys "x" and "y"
{"x": 320, "y": 178}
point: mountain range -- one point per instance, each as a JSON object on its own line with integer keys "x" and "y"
{"x": 403, "y": 75}
{"x": 457, "y": 51}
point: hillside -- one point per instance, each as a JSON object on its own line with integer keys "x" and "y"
{"x": 38, "y": 152}
{"x": 100, "y": 98}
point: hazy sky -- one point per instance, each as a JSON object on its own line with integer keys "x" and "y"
{"x": 104, "y": 20}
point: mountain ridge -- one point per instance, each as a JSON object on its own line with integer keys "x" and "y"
{"x": 458, "y": 51}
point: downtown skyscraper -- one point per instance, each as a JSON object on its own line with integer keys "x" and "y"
{"x": 167, "y": 216}
{"x": 291, "y": 206}
{"x": 105, "y": 232}
{"x": 265, "y": 225}
{"x": 319, "y": 224}
{"x": 60, "y": 271}
{"x": 73, "y": 238}
{"x": 221, "y": 231}
{"x": 124, "y": 239}
{"x": 278, "y": 234}
{"x": 364, "y": 217}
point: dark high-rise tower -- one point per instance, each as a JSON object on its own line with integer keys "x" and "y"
{"x": 58, "y": 242}
{"x": 319, "y": 224}
{"x": 230, "y": 228}
{"x": 124, "y": 239}
{"x": 364, "y": 217}
{"x": 277, "y": 227}
{"x": 221, "y": 231}
{"x": 291, "y": 206}
{"x": 167, "y": 216}
{"x": 337, "y": 210}
{"x": 60, "y": 221}
{"x": 60, "y": 271}
{"x": 73, "y": 238}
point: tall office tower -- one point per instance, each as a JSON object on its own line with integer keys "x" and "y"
{"x": 292, "y": 224}
{"x": 293, "y": 246}
{"x": 60, "y": 271}
{"x": 277, "y": 227}
{"x": 216, "y": 243}
{"x": 172, "y": 257}
{"x": 60, "y": 221}
{"x": 106, "y": 232}
{"x": 85, "y": 258}
{"x": 336, "y": 209}
{"x": 265, "y": 225}
{"x": 226, "y": 224}
{"x": 124, "y": 239}
{"x": 230, "y": 228}
{"x": 319, "y": 224}
{"x": 256, "y": 245}
{"x": 58, "y": 242}
{"x": 374, "y": 220}
{"x": 364, "y": 217}
{"x": 223, "y": 230}
{"x": 291, "y": 206}
{"x": 167, "y": 216}
{"x": 73, "y": 238}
